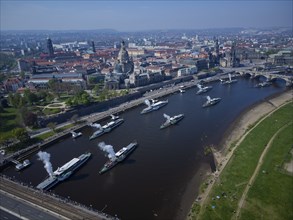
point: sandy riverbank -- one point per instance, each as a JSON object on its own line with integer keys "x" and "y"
{"x": 236, "y": 131}
{"x": 250, "y": 116}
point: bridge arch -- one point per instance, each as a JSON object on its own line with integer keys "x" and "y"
{"x": 248, "y": 74}
{"x": 257, "y": 76}
{"x": 274, "y": 79}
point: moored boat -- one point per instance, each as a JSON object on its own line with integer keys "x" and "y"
{"x": 21, "y": 166}
{"x": 106, "y": 128}
{"x": 203, "y": 89}
{"x": 171, "y": 120}
{"x": 48, "y": 183}
{"x": 155, "y": 105}
{"x": 119, "y": 157}
{"x": 211, "y": 101}
{"x": 229, "y": 81}
{"x": 64, "y": 172}
{"x": 75, "y": 134}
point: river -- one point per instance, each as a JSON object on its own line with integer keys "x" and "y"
{"x": 152, "y": 182}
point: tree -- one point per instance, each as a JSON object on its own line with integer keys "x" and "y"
{"x": 7, "y": 61}
{"x": 49, "y": 97}
{"x": 92, "y": 80}
{"x": 81, "y": 98}
{"x": 22, "y": 75}
{"x": 30, "y": 97}
{"x": 52, "y": 126}
{"x": 14, "y": 99}
{"x": 96, "y": 89}
{"x": 54, "y": 85}
{"x": 21, "y": 134}
{"x": 4, "y": 103}
{"x": 30, "y": 119}
{"x": 85, "y": 98}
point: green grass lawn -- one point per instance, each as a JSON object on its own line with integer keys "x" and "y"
{"x": 271, "y": 195}
{"x": 241, "y": 166}
{"x": 50, "y": 111}
{"x": 9, "y": 121}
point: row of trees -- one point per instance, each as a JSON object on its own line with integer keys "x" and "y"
{"x": 81, "y": 98}
{"x": 17, "y": 135}
{"x": 26, "y": 111}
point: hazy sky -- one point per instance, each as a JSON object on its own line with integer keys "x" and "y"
{"x": 143, "y": 15}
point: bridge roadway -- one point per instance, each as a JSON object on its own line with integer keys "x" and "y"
{"x": 26, "y": 203}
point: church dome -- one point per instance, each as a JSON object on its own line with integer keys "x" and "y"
{"x": 123, "y": 56}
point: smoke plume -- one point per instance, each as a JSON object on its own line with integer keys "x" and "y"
{"x": 147, "y": 102}
{"x": 45, "y": 157}
{"x": 108, "y": 149}
{"x": 96, "y": 125}
{"x": 199, "y": 86}
{"x": 167, "y": 117}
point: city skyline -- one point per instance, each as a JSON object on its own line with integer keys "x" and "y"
{"x": 143, "y": 15}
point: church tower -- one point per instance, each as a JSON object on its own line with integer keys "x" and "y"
{"x": 93, "y": 46}
{"x": 233, "y": 55}
{"x": 217, "y": 60}
{"x": 50, "y": 47}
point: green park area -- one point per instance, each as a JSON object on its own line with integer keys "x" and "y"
{"x": 270, "y": 194}
{"x": 9, "y": 121}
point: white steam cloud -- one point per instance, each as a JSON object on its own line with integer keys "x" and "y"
{"x": 167, "y": 117}
{"x": 45, "y": 157}
{"x": 108, "y": 149}
{"x": 96, "y": 125}
{"x": 147, "y": 102}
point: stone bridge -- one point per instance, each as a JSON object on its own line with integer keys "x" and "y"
{"x": 269, "y": 75}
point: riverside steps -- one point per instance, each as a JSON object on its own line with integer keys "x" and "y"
{"x": 41, "y": 202}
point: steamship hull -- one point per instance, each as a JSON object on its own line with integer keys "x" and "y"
{"x": 174, "y": 120}
{"x": 120, "y": 156}
{"x": 64, "y": 172}
{"x": 154, "y": 107}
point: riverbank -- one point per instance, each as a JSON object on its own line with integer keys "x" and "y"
{"x": 249, "y": 117}
{"x": 234, "y": 135}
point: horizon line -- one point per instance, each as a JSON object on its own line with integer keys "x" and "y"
{"x": 155, "y": 29}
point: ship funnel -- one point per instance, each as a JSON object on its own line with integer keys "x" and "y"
{"x": 209, "y": 98}
{"x": 45, "y": 157}
{"x": 147, "y": 102}
{"x": 108, "y": 149}
{"x": 199, "y": 86}
{"x": 167, "y": 117}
